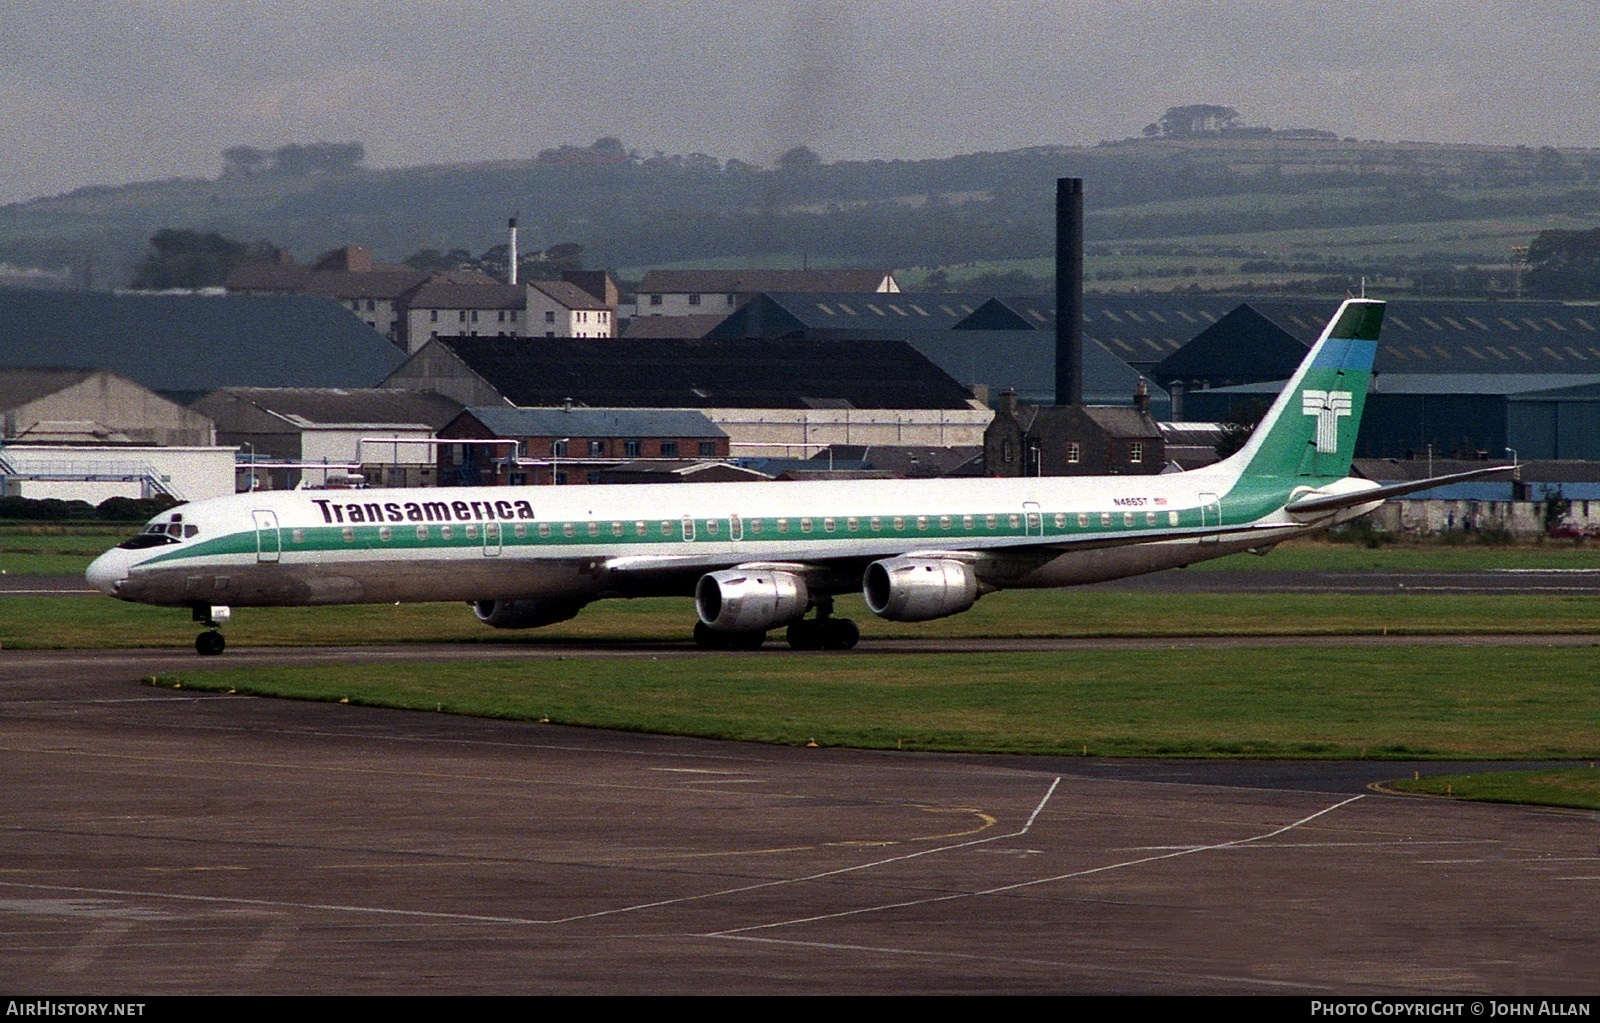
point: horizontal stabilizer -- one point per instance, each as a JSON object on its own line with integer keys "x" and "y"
{"x": 1333, "y": 502}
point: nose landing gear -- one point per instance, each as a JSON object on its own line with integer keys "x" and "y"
{"x": 210, "y": 643}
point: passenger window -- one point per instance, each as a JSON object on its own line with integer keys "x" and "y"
{"x": 568, "y": 529}
{"x": 899, "y": 523}
{"x": 1105, "y": 518}
{"x": 1149, "y": 518}
{"x": 1061, "y": 521}
{"x": 990, "y": 521}
{"x": 639, "y": 528}
{"x": 922, "y": 522}
{"x": 594, "y": 529}
{"x": 444, "y": 532}
{"x": 544, "y": 530}
{"x": 966, "y": 522}
{"x": 299, "y": 536}
{"x": 805, "y": 525}
{"x": 852, "y": 523}
{"x": 944, "y": 522}
{"x": 1013, "y": 521}
{"x": 472, "y": 531}
{"x": 422, "y": 532}
{"x": 521, "y": 529}
{"x": 1127, "y": 518}
{"x": 827, "y": 525}
{"x": 349, "y": 534}
{"x": 1083, "y": 521}
{"x": 711, "y": 527}
{"x": 877, "y": 523}
{"x": 385, "y": 534}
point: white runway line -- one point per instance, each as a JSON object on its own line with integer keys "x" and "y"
{"x": 525, "y": 921}
{"x": 737, "y": 931}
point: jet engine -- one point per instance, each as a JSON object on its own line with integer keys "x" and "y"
{"x": 741, "y": 600}
{"x": 524, "y": 614}
{"x": 909, "y": 589}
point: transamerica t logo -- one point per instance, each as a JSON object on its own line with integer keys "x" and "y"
{"x": 1327, "y": 406}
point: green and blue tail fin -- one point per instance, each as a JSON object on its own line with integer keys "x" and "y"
{"x": 1310, "y": 431}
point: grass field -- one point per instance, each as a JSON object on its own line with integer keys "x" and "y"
{"x": 1577, "y": 787}
{"x": 30, "y": 622}
{"x": 1295, "y": 702}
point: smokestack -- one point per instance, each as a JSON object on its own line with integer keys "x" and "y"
{"x": 511, "y": 276}
{"x": 1069, "y": 291}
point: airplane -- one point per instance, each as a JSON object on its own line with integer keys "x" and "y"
{"x": 761, "y": 556}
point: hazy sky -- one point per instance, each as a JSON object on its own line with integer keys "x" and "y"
{"x": 109, "y": 91}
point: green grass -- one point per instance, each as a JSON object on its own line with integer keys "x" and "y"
{"x": 29, "y": 622}
{"x": 1295, "y": 703}
{"x": 56, "y": 549}
{"x": 1574, "y": 786}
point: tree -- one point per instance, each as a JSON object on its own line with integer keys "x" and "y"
{"x": 798, "y": 159}
{"x": 1564, "y": 264}
{"x": 189, "y": 259}
{"x": 243, "y": 161}
{"x": 1197, "y": 119}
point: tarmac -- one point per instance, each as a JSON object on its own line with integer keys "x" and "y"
{"x": 171, "y": 842}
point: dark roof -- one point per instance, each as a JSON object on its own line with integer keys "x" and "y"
{"x": 457, "y": 291}
{"x": 192, "y": 343}
{"x": 974, "y": 339}
{"x": 698, "y": 325}
{"x": 306, "y": 406}
{"x": 386, "y": 284}
{"x": 503, "y": 421}
{"x": 568, "y": 294}
{"x": 746, "y": 281}
{"x": 705, "y": 373}
{"x": 1243, "y": 345}
{"x": 20, "y": 386}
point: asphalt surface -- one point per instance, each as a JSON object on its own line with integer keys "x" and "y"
{"x": 159, "y": 841}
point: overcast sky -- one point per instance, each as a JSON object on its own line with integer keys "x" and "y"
{"x": 111, "y": 91}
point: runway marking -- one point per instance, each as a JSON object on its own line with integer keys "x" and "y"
{"x": 478, "y": 918}
{"x": 826, "y": 873}
{"x": 1042, "y": 880}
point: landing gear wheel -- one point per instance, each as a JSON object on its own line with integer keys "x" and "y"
{"x": 707, "y": 638}
{"x": 209, "y": 644}
{"x": 839, "y": 634}
{"x": 805, "y": 634}
{"x": 746, "y": 640}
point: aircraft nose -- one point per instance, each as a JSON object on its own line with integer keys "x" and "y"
{"x": 109, "y": 570}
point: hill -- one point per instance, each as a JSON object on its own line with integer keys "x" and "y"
{"x": 1214, "y": 212}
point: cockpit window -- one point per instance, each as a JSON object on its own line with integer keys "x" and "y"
{"x": 157, "y": 533}
{"x": 147, "y": 539}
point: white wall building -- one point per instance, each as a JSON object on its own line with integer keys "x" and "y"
{"x": 92, "y": 474}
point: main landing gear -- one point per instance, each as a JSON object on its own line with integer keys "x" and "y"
{"x": 824, "y": 632}
{"x": 210, "y": 643}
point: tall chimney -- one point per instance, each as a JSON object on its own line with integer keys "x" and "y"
{"x": 511, "y": 276}
{"x": 1069, "y": 291}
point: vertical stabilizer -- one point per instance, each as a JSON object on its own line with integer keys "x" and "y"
{"x": 1310, "y": 431}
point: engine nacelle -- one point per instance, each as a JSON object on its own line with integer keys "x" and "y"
{"x": 524, "y": 614}
{"x": 740, "y": 600}
{"x": 919, "y": 589}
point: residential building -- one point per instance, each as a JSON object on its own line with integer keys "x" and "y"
{"x": 700, "y": 292}
{"x": 1072, "y": 440}
{"x": 569, "y": 444}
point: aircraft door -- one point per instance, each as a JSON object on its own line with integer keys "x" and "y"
{"x": 269, "y": 545}
{"x": 1210, "y": 516}
{"x": 491, "y": 539}
{"x": 1032, "y": 520}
